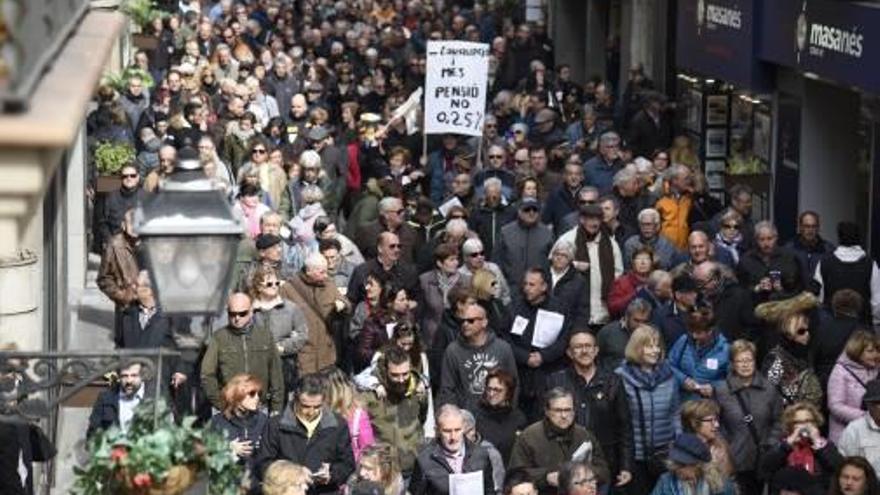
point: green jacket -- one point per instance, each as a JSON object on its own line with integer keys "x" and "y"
{"x": 252, "y": 350}
{"x": 399, "y": 423}
{"x": 541, "y": 451}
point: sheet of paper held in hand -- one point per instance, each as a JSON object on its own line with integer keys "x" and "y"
{"x": 548, "y": 324}
{"x": 466, "y": 483}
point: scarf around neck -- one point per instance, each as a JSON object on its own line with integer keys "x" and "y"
{"x": 606, "y": 257}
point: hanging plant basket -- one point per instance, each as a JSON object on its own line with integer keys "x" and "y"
{"x": 144, "y": 41}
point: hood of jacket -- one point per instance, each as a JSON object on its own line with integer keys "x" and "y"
{"x": 849, "y": 254}
{"x": 289, "y": 421}
{"x": 490, "y": 339}
{"x": 643, "y": 379}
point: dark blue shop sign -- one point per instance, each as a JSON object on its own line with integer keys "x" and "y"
{"x": 832, "y": 39}
{"x": 717, "y": 38}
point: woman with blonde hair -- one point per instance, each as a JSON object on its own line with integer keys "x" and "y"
{"x": 653, "y": 396}
{"x": 787, "y": 365}
{"x": 241, "y": 419}
{"x": 342, "y": 399}
{"x": 285, "y": 478}
{"x": 378, "y": 464}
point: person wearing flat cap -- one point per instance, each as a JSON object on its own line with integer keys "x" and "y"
{"x": 687, "y": 474}
{"x": 598, "y": 257}
{"x": 862, "y": 436}
{"x": 269, "y": 254}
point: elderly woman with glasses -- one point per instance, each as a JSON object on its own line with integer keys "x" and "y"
{"x": 476, "y": 258}
{"x": 729, "y": 236}
{"x": 690, "y": 470}
{"x": 702, "y": 418}
{"x": 750, "y": 408}
{"x": 241, "y": 419}
{"x": 787, "y": 365}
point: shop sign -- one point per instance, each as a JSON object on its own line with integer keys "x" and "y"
{"x": 828, "y": 38}
{"x": 716, "y": 38}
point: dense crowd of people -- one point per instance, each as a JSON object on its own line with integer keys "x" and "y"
{"x": 583, "y": 316}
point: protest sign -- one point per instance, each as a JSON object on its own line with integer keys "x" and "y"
{"x": 455, "y": 89}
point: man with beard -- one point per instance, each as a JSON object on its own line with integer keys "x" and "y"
{"x": 450, "y": 453}
{"x": 398, "y": 414}
{"x": 601, "y": 403}
{"x": 242, "y": 347}
{"x": 598, "y": 257}
{"x": 118, "y": 274}
{"x": 115, "y": 406}
{"x": 550, "y": 442}
{"x": 316, "y": 294}
{"x": 536, "y": 360}
{"x": 468, "y": 359}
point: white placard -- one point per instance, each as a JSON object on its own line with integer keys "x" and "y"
{"x": 448, "y": 205}
{"x": 548, "y": 324}
{"x": 519, "y": 325}
{"x": 584, "y": 453}
{"x": 455, "y": 87}
{"x": 466, "y": 483}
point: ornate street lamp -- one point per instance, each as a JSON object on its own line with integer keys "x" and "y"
{"x": 190, "y": 235}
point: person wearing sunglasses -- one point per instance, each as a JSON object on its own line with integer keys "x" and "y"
{"x": 787, "y": 365}
{"x": 285, "y": 320}
{"x": 240, "y": 419}
{"x": 242, "y": 346}
{"x": 469, "y": 358}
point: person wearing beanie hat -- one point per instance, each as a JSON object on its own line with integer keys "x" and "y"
{"x": 688, "y": 457}
{"x": 862, "y": 435}
{"x": 850, "y": 267}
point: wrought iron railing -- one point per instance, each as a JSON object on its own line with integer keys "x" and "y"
{"x": 33, "y": 385}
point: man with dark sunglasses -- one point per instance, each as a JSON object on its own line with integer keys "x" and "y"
{"x": 469, "y": 358}
{"x": 242, "y": 347}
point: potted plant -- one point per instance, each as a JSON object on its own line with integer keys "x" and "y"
{"x": 119, "y": 80}
{"x": 109, "y": 159}
{"x": 157, "y": 456}
{"x": 142, "y": 14}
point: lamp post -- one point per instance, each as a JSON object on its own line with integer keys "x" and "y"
{"x": 190, "y": 235}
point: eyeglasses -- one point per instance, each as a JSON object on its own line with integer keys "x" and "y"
{"x": 459, "y": 216}
{"x": 561, "y": 410}
{"x": 495, "y": 390}
{"x": 586, "y": 202}
{"x": 730, "y": 226}
{"x": 474, "y": 255}
{"x": 583, "y": 347}
{"x": 273, "y": 283}
{"x": 258, "y": 151}
{"x": 129, "y": 176}
{"x": 709, "y": 419}
{"x": 396, "y": 212}
{"x": 591, "y": 481}
{"x": 518, "y": 132}
{"x": 471, "y": 321}
{"x": 238, "y": 314}
{"x": 394, "y": 246}
{"x": 253, "y": 393}
{"x": 496, "y": 157}
{"x": 530, "y": 209}
{"x": 800, "y": 332}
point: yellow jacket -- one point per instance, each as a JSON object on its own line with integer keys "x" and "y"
{"x": 674, "y": 213}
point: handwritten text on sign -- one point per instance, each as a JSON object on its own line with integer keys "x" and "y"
{"x": 455, "y": 96}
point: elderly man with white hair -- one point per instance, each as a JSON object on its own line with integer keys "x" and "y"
{"x": 649, "y": 236}
{"x": 475, "y": 258}
{"x": 567, "y": 284}
{"x": 392, "y": 219}
{"x": 630, "y": 195}
{"x": 493, "y": 212}
{"x": 315, "y": 293}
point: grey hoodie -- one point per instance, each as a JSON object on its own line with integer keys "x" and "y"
{"x": 464, "y": 369}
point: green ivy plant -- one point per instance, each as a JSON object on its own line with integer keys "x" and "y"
{"x": 119, "y": 80}
{"x": 140, "y": 459}
{"x": 141, "y": 12}
{"x": 111, "y": 157}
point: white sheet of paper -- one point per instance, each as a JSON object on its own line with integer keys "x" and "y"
{"x": 519, "y": 325}
{"x": 548, "y": 324}
{"x": 389, "y": 329}
{"x": 445, "y": 207}
{"x": 466, "y": 483}
{"x": 712, "y": 363}
{"x": 583, "y": 453}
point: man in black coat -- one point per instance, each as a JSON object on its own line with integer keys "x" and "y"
{"x": 651, "y": 128}
{"x": 600, "y": 402}
{"x": 308, "y": 433}
{"x": 110, "y": 214}
{"x": 734, "y": 308}
{"x": 450, "y": 453}
{"x": 536, "y": 358}
{"x": 769, "y": 271}
{"x": 390, "y": 268}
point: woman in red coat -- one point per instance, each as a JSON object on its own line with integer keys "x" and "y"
{"x": 624, "y": 287}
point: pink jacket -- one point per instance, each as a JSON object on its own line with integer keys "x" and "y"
{"x": 845, "y": 394}
{"x": 361, "y": 431}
